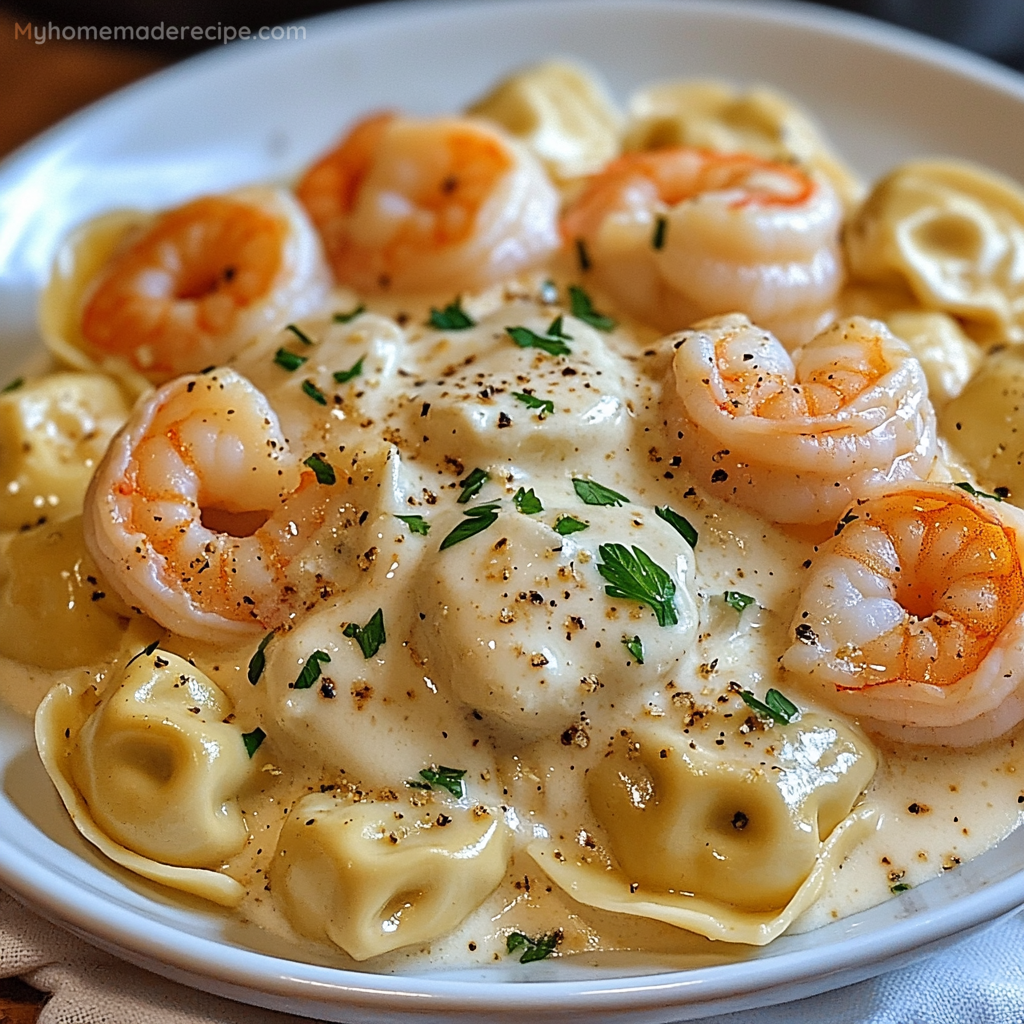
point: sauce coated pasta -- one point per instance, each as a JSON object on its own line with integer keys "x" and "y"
{"x": 544, "y": 530}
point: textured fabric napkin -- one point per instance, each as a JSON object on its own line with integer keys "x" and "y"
{"x": 977, "y": 981}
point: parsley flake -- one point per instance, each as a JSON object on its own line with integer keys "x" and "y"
{"x": 472, "y": 484}
{"x": 775, "y": 706}
{"x": 13, "y": 386}
{"x": 635, "y": 646}
{"x": 582, "y": 308}
{"x": 534, "y": 949}
{"x": 452, "y": 318}
{"x": 590, "y": 492}
{"x": 527, "y": 502}
{"x": 324, "y": 470}
{"x": 314, "y": 392}
{"x": 300, "y": 334}
{"x": 289, "y": 360}
{"x": 310, "y": 671}
{"x": 355, "y": 370}
{"x": 252, "y": 740}
{"x": 975, "y": 493}
{"x": 445, "y": 778}
{"x": 660, "y": 228}
{"x": 564, "y": 525}
{"x": 347, "y": 318}
{"x": 371, "y": 637}
{"x": 845, "y": 522}
{"x": 416, "y": 524}
{"x": 734, "y": 599}
{"x": 554, "y": 345}
{"x": 679, "y": 523}
{"x": 635, "y": 576}
{"x": 258, "y": 662}
{"x": 545, "y": 405}
{"x": 480, "y": 518}
{"x": 900, "y": 887}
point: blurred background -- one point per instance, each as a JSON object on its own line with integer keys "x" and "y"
{"x": 39, "y": 84}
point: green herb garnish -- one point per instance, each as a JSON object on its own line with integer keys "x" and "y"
{"x": 679, "y": 523}
{"x": 635, "y": 646}
{"x": 590, "y": 492}
{"x": 472, "y": 484}
{"x": 14, "y": 385}
{"x": 635, "y": 576}
{"x": 658, "y": 238}
{"x": 974, "y": 492}
{"x": 300, "y": 334}
{"x": 416, "y": 524}
{"x": 535, "y": 949}
{"x": 446, "y": 778}
{"x": 355, "y": 370}
{"x": 900, "y": 887}
{"x": 845, "y": 522}
{"x": 346, "y": 318}
{"x": 582, "y": 308}
{"x": 527, "y": 502}
{"x": 734, "y": 599}
{"x": 554, "y": 345}
{"x": 370, "y": 637}
{"x": 310, "y": 671}
{"x": 314, "y": 392}
{"x": 289, "y": 360}
{"x": 564, "y": 525}
{"x": 324, "y": 470}
{"x": 258, "y": 662}
{"x": 545, "y": 405}
{"x": 479, "y": 519}
{"x": 452, "y": 318}
{"x": 775, "y": 706}
{"x": 252, "y": 740}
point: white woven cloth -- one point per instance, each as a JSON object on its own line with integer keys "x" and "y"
{"x": 977, "y": 981}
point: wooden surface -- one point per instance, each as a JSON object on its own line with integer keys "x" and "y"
{"x": 40, "y": 84}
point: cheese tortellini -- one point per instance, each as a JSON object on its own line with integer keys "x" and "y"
{"x": 372, "y": 876}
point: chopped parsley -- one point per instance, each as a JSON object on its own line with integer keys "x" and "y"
{"x": 564, "y": 525}
{"x": 635, "y": 646}
{"x": 145, "y": 652}
{"x": 775, "y": 706}
{"x": 355, "y": 370}
{"x": 553, "y": 342}
{"x": 371, "y": 637}
{"x": 582, "y": 308}
{"x": 635, "y": 576}
{"x": 310, "y": 671}
{"x": 258, "y": 662}
{"x": 300, "y": 334}
{"x": 472, "y": 484}
{"x": 13, "y": 386}
{"x": 975, "y": 493}
{"x": 478, "y": 519}
{"x": 452, "y": 318}
{"x": 289, "y": 360}
{"x": 533, "y": 949}
{"x": 734, "y": 599}
{"x": 416, "y": 524}
{"x": 324, "y": 470}
{"x": 900, "y": 887}
{"x": 527, "y": 502}
{"x": 347, "y": 318}
{"x": 314, "y": 392}
{"x": 679, "y": 523}
{"x": 545, "y": 405}
{"x": 660, "y": 228}
{"x": 582, "y": 255}
{"x": 445, "y": 778}
{"x": 845, "y": 522}
{"x": 590, "y": 492}
{"x": 252, "y": 740}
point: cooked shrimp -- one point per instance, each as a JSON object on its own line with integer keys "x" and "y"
{"x": 679, "y": 234}
{"x": 198, "y": 513}
{"x": 799, "y": 441}
{"x": 912, "y": 617}
{"x": 202, "y": 280}
{"x": 419, "y": 206}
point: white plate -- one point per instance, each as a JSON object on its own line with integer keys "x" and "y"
{"x": 260, "y": 111}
